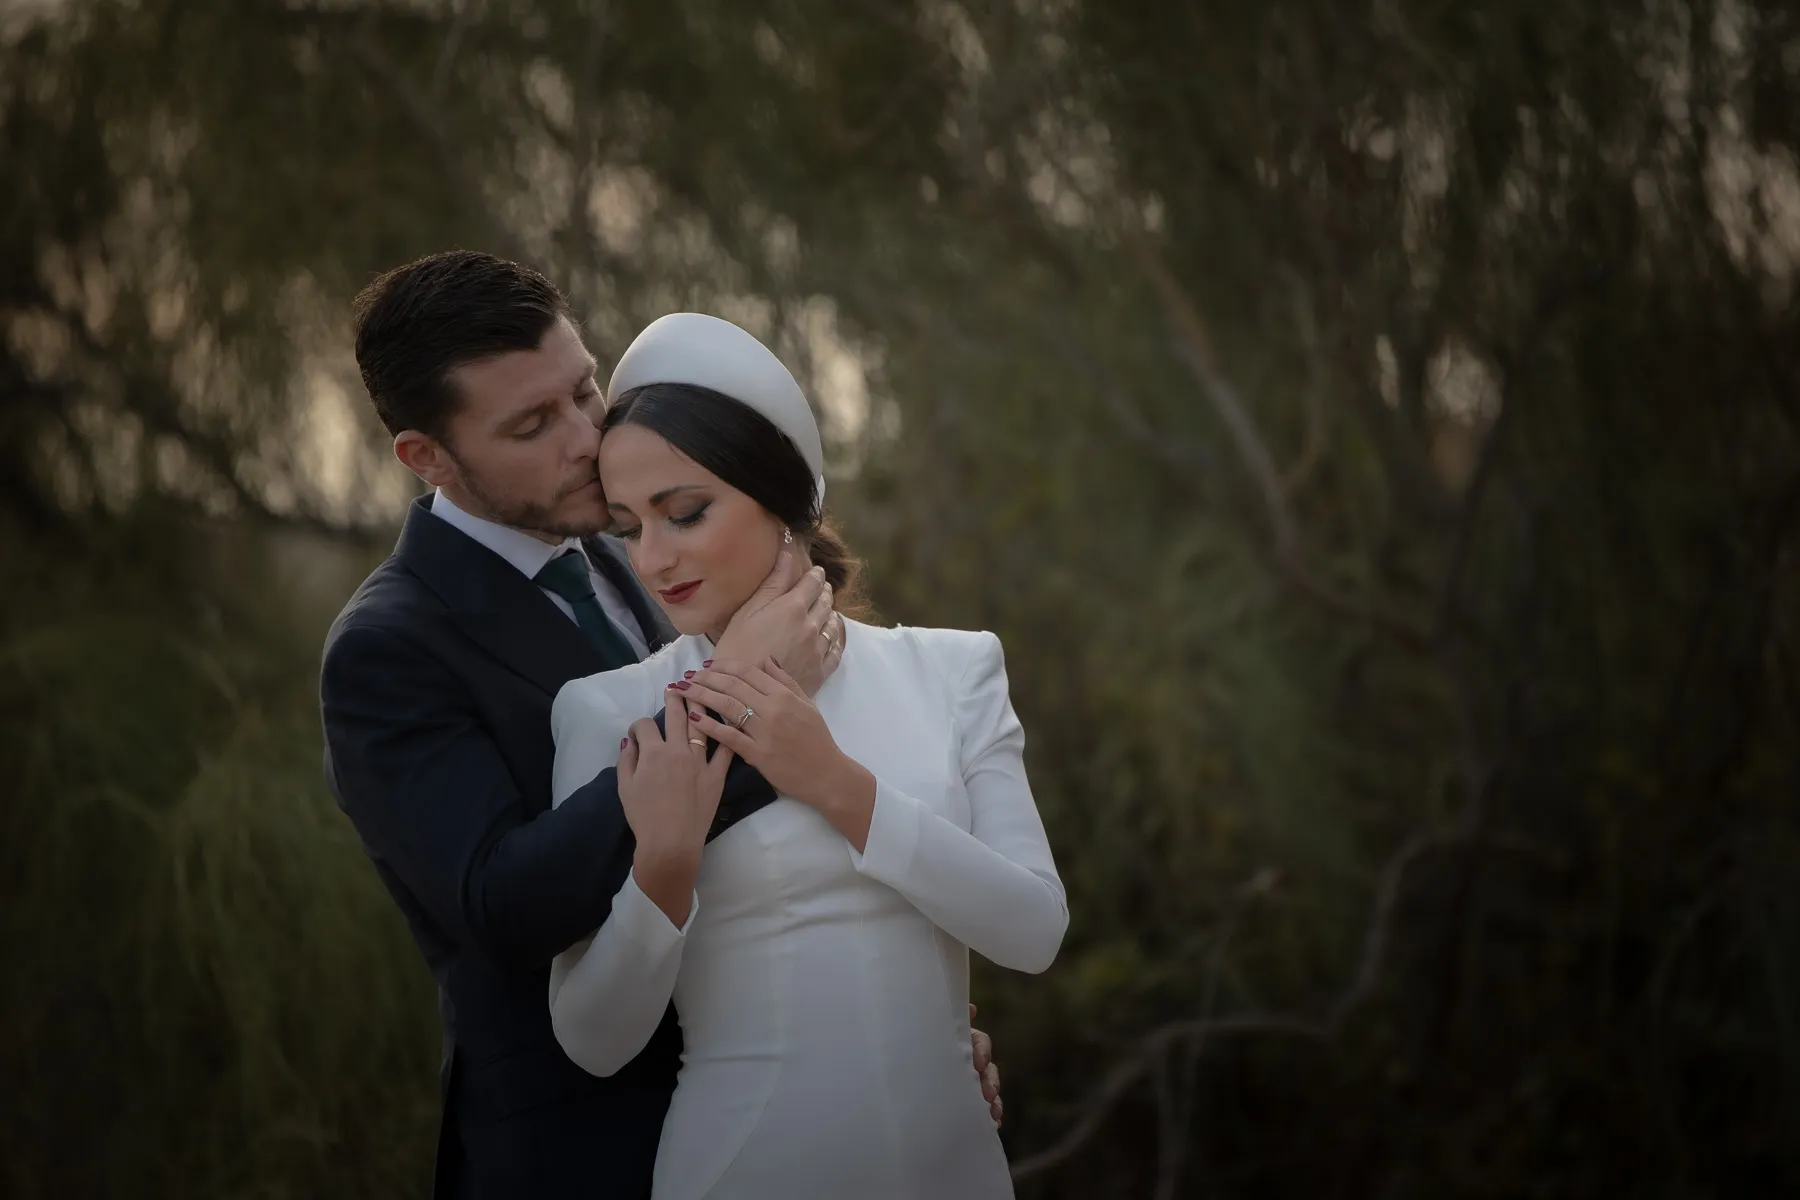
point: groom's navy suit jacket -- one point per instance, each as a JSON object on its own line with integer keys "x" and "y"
{"x": 436, "y": 688}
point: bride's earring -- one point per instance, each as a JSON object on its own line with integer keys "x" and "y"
{"x": 787, "y": 536}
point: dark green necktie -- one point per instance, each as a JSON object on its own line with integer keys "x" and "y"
{"x": 567, "y": 576}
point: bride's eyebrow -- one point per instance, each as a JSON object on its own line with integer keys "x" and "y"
{"x": 657, "y": 498}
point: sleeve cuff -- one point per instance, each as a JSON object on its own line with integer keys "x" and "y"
{"x": 639, "y": 919}
{"x": 893, "y": 836}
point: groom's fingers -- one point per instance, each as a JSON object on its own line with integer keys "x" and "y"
{"x": 807, "y": 589}
{"x": 818, "y": 613}
{"x": 784, "y": 574}
{"x": 776, "y": 584}
{"x": 789, "y": 566}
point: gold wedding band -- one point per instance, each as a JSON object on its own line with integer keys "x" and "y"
{"x": 825, "y": 633}
{"x": 696, "y": 741}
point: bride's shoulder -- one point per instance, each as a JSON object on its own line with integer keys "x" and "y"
{"x": 951, "y": 653}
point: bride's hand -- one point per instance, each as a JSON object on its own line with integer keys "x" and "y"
{"x": 785, "y": 738}
{"x": 669, "y": 792}
{"x": 788, "y": 618}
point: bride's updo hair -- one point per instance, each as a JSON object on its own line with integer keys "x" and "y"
{"x": 743, "y": 448}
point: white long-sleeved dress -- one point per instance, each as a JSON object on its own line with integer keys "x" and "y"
{"x": 823, "y": 993}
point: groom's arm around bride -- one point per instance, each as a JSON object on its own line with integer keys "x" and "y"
{"x": 417, "y": 764}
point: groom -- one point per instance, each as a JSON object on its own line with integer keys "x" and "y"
{"x": 435, "y": 692}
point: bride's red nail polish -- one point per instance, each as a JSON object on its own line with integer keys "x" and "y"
{"x": 693, "y": 716}
{"x": 683, "y": 684}
{"x": 624, "y": 742}
{"x": 687, "y": 674}
{"x": 707, "y": 663}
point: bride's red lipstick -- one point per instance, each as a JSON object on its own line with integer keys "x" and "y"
{"x": 680, "y": 593}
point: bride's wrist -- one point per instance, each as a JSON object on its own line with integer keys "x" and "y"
{"x": 847, "y": 800}
{"x": 665, "y": 866}
{"x": 666, "y": 877}
{"x": 847, "y": 785}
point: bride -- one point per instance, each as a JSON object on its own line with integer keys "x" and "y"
{"x": 817, "y": 953}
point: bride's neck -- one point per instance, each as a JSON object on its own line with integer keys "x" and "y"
{"x": 713, "y": 635}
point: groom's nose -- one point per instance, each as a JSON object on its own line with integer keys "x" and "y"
{"x": 583, "y": 444}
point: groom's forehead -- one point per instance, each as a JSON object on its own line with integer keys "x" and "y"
{"x": 559, "y": 366}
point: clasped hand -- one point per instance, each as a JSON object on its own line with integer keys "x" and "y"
{"x": 790, "y": 619}
{"x": 771, "y": 723}
{"x": 670, "y": 792}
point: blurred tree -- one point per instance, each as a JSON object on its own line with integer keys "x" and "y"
{"x": 1372, "y": 430}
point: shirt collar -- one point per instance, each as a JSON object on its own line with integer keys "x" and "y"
{"x": 527, "y": 554}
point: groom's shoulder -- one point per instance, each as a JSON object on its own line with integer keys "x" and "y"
{"x": 392, "y": 600}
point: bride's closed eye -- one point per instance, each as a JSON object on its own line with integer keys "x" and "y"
{"x": 685, "y": 520}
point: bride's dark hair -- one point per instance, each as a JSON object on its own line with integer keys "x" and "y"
{"x": 746, "y": 450}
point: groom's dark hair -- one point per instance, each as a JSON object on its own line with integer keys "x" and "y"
{"x": 417, "y": 323}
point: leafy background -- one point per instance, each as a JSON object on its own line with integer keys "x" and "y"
{"x": 1373, "y": 428}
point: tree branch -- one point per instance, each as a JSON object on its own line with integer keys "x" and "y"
{"x": 428, "y": 120}
{"x": 1193, "y": 346}
{"x": 1184, "y": 456}
{"x": 1194, "y": 1034}
{"x": 1312, "y": 452}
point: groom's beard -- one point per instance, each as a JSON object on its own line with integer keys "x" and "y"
{"x": 529, "y": 515}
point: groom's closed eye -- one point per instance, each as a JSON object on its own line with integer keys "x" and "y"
{"x": 529, "y": 424}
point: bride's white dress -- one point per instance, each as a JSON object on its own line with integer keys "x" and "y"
{"x": 823, "y": 993}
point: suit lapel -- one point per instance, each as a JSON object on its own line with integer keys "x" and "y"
{"x": 493, "y": 604}
{"x": 610, "y": 559}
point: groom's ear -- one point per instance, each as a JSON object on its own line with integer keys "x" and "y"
{"x": 424, "y": 456}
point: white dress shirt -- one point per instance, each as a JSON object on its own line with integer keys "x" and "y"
{"x": 823, "y": 993}
{"x": 531, "y": 555}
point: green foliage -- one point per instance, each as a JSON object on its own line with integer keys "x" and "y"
{"x": 210, "y": 995}
{"x": 1365, "y": 428}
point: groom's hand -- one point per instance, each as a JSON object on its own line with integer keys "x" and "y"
{"x": 788, "y": 618}
{"x": 983, "y": 1046}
